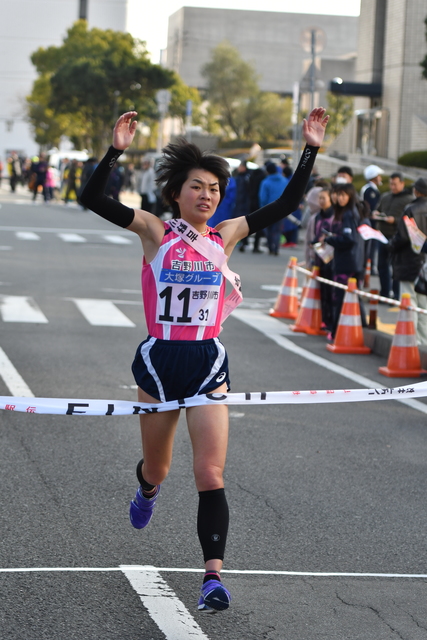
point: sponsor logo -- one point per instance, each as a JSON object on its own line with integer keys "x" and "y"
{"x": 215, "y": 537}
{"x": 181, "y": 252}
{"x": 221, "y": 377}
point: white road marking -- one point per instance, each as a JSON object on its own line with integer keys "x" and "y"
{"x": 167, "y": 611}
{"x": 258, "y": 572}
{"x": 115, "y": 239}
{"x": 21, "y": 309}
{"x": 273, "y": 329}
{"x": 12, "y": 379}
{"x": 102, "y": 313}
{"x": 27, "y": 235}
{"x": 71, "y": 237}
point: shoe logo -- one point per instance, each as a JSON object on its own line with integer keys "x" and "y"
{"x": 215, "y": 537}
{"x": 221, "y": 377}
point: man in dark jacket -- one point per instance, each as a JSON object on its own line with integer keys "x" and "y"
{"x": 406, "y": 263}
{"x": 388, "y": 214}
{"x": 242, "y": 205}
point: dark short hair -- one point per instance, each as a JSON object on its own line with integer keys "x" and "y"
{"x": 349, "y": 189}
{"x": 178, "y": 160}
{"x": 271, "y": 167}
{"x": 397, "y": 174}
{"x": 347, "y": 170}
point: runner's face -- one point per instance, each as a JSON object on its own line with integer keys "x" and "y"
{"x": 199, "y": 196}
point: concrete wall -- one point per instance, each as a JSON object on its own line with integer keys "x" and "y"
{"x": 25, "y": 26}
{"x": 271, "y": 40}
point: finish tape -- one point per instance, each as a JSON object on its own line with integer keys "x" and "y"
{"x": 87, "y": 407}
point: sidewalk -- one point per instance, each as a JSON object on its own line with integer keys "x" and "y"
{"x": 130, "y": 199}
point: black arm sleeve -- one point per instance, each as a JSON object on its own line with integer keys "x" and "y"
{"x": 93, "y": 195}
{"x": 290, "y": 198}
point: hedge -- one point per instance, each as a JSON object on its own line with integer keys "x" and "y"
{"x": 414, "y": 159}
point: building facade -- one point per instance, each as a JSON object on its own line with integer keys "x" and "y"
{"x": 273, "y": 41}
{"x": 26, "y": 25}
{"x": 392, "y": 43}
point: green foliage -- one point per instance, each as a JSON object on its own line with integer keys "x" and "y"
{"x": 89, "y": 80}
{"x": 180, "y": 93}
{"x": 243, "y": 111}
{"x": 414, "y": 159}
{"x": 340, "y": 109}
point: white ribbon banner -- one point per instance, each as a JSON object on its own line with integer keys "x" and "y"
{"x": 88, "y": 407}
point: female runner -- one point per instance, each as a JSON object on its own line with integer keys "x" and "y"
{"x": 183, "y": 292}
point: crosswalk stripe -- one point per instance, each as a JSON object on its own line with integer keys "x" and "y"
{"x": 164, "y": 607}
{"x": 71, "y": 237}
{"x": 12, "y": 379}
{"x": 117, "y": 239}
{"x": 102, "y": 313}
{"x": 27, "y": 235}
{"x": 21, "y": 309}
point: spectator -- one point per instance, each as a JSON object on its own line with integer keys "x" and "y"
{"x": 344, "y": 240}
{"x": 343, "y": 175}
{"x": 39, "y": 170}
{"x": 88, "y": 168}
{"x": 225, "y": 209}
{"x": 388, "y": 214}
{"x": 370, "y": 192}
{"x": 15, "y": 172}
{"x": 406, "y": 263}
{"x": 255, "y": 179}
{"x": 270, "y": 189}
{"x": 242, "y": 205}
{"x": 320, "y": 222}
{"x": 146, "y": 186}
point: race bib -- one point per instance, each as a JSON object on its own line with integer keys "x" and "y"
{"x": 188, "y": 297}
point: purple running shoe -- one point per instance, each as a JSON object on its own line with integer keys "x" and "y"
{"x": 215, "y": 597}
{"x": 141, "y": 508}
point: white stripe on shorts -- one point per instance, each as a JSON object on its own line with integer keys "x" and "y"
{"x": 217, "y": 364}
{"x": 145, "y": 353}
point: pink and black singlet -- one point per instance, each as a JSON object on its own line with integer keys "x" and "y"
{"x": 183, "y": 292}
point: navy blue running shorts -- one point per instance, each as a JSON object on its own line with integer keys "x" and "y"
{"x": 177, "y": 369}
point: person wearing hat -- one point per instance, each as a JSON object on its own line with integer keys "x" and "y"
{"x": 405, "y": 262}
{"x": 370, "y": 192}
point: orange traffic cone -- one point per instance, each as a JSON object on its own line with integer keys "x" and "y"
{"x": 404, "y": 358}
{"x": 349, "y": 335}
{"x": 286, "y": 305}
{"x": 367, "y": 279}
{"x": 309, "y": 318}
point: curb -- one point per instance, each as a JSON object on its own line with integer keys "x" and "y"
{"x": 380, "y": 343}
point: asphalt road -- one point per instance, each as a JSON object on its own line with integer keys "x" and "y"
{"x": 328, "y": 518}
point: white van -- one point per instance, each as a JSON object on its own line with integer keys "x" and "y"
{"x": 56, "y": 157}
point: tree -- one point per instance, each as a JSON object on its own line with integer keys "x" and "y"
{"x": 180, "y": 94}
{"x": 243, "y": 110}
{"x": 90, "y": 79}
{"x": 340, "y": 109}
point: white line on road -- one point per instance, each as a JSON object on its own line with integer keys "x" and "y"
{"x": 71, "y": 237}
{"x": 27, "y": 235}
{"x": 12, "y": 379}
{"x": 274, "y": 329}
{"x": 249, "y": 572}
{"x": 115, "y": 239}
{"x": 21, "y": 309}
{"x": 167, "y": 611}
{"x": 102, "y": 313}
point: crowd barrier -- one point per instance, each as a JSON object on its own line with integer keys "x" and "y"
{"x": 404, "y": 357}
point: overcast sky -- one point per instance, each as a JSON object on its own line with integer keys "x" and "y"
{"x": 148, "y": 19}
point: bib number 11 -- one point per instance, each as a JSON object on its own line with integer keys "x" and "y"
{"x": 184, "y": 295}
